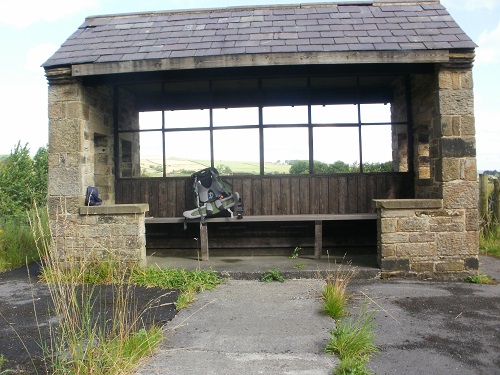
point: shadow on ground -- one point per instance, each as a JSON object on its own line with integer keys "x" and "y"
{"x": 26, "y": 318}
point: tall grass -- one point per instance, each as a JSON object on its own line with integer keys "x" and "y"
{"x": 334, "y": 293}
{"x": 489, "y": 237}
{"x": 89, "y": 338}
{"x": 17, "y": 241}
{"x": 352, "y": 340}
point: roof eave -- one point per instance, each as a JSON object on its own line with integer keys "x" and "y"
{"x": 267, "y": 59}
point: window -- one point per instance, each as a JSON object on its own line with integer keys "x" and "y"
{"x": 270, "y": 126}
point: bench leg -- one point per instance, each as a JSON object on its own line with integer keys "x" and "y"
{"x": 204, "y": 241}
{"x": 318, "y": 239}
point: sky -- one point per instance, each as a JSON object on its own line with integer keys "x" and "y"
{"x": 32, "y": 30}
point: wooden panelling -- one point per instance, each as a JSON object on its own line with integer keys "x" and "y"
{"x": 274, "y": 195}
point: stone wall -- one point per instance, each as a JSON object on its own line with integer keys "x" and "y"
{"x": 81, "y": 148}
{"x": 419, "y": 237}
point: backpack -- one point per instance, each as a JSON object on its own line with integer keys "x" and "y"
{"x": 213, "y": 196}
{"x": 92, "y": 197}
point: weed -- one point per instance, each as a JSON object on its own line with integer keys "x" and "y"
{"x": 353, "y": 366}
{"x": 480, "y": 279}
{"x": 295, "y": 253}
{"x": 272, "y": 275}
{"x": 300, "y": 266}
{"x": 353, "y": 338}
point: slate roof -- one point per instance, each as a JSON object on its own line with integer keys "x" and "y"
{"x": 319, "y": 27}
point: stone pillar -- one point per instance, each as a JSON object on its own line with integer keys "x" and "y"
{"x": 453, "y": 159}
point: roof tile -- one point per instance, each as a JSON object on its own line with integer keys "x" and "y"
{"x": 266, "y": 29}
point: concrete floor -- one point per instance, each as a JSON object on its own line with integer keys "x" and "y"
{"x": 253, "y": 267}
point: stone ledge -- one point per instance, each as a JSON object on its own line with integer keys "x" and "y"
{"x": 115, "y": 209}
{"x": 405, "y": 204}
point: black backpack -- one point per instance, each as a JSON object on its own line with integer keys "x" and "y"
{"x": 92, "y": 197}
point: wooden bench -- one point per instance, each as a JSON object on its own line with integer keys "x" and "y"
{"x": 316, "y": 218}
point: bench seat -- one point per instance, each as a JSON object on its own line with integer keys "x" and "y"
{"x": 316, "y": 218}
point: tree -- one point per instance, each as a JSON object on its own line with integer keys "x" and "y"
{"x": 23, "y": 181}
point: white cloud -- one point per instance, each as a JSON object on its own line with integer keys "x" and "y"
{"x": 470, "y": 4}
{"x": 489, "y": 46}
{"x": 25, "y": 13}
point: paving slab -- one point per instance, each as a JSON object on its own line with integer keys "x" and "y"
{"x": 249, "y": 327}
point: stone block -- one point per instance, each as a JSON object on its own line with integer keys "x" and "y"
{"x": 411, "y": 250}
{"x": 472, "y": 220}
{"x": 65, "y": 205}
{"x": 390, "y": 238}
{"x": 468, "y": 169}
{"x": 397, "y": 213}
{"x": 449, "y": 244}
{"x": 458, "y": 147}
{"x": 471, "y": 263}
{"x": 450, "y": 266}
{"x": 387, "y": 250}
{"x": 447, "y": 169}
{"x": 388, "y": 225}
{"x": 460, "y": 195}
{"x": 456, "y": 102}
{"x": 65, "y": 136}
{"x": 413, "y": 224}
{"x": 422, "y": 237}
{"x": 471, "y": 243}
{"x": 65, "y": 181}
{"x": 422, "y": 266}
{"x": 395, "y": 264}
{"x": 61, "y": 93}
{"x": 76, "y": 110}
{"x": 467, "y": 125}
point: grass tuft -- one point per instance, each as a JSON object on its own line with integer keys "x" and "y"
{"x": 334, "y": 293}
{"x": 353, "y": 338}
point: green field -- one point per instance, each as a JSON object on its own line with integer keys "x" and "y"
{"x": 152, "y": 167}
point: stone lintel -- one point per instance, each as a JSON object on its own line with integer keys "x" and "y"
{"x": 405, "y": 204}
{"x": 115, "y": 209}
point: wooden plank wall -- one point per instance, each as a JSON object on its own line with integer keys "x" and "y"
{"x": 274, "y": 195}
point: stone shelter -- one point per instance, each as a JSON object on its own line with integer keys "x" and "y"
{"x": 139, "y": 101}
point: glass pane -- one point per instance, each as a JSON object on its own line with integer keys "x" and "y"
{"x": 191, "y": 118}
{"x": 236, "y": 116}
{"x": 237, "y": 151}
{"x": 151, "y": 154}
{"x": 186, "y": 152}
{"x": 375, "y": 113}
{"x": 285, "y": 115}
{"x": 150, "y": 120}
{"x": 334, "y": 114}
{"x": 336, "y": 150}
{"x": 377, "y": 148}
{"x": 284, "y": 147}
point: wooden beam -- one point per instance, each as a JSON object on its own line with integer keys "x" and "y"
{"x": 267, "y": 59}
